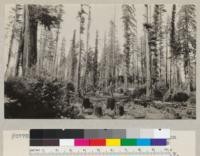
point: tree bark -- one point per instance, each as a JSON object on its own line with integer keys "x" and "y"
{"x": 19, "y": 54}
{"x": 56, "y": 61}
{"x": 166, "y": 59}
{"x": 10, "y": 52}
{"x": 148, "y": 76}
{"x": 73, "y": 57}
{"x": 87, "y": 51}
{"x": 95, "y": 72}
{"x": 30, "y": 40}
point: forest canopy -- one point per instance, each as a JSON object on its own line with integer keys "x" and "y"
{"x": 61, "y": 56}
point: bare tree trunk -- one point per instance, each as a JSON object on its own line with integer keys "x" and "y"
{"x": 26, "y": 40}
{"x": 148, "y": 77}
{"x": 19, "y": 53}
{"x": 79, "y": 63}
{"x": 170, "y": 73}
{"x": 33, "y": 45}
{"x": 105, "y": 66}
{"x": 41, "y": 51}
{"x": 172, "y": 48}
{"x": 10, "y": 51}
{"x": 166, "y": 63}
{"x": 95, "y": 72}
{"x": 87, "y": 51}
{"x": 56, "y": 53}
{"x": 73, "y": 57}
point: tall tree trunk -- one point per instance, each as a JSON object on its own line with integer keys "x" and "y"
{"x": 41, "y": 50}
{"x": 19, "y": 54}
{"x": 79, "y": 64}
{"x": 87, "y": 51}
{"x": 56, "y": 61}
{"x": 73, "y": 57}
{"x": 148, "y": 76}
{"x": 166, "y": 59}
{"x": 187, "y": 57}
{"x": 30, "y": 40}
{"x": 81, "y": 31}
{"x": 95, "y": 72}
{"x": 172, "y": 50}
{"x": 26, "y": 41}
{"x": 142, "y": 60}
{"x": 33, "y": 45}
{"x": 171, "y": 73}
{"x": 105, "y": 64}
{"x": 10, "y": 52}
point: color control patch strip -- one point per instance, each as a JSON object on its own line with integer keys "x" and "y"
{"x": 99, "y": 137}
{"x": 98, "y": 142}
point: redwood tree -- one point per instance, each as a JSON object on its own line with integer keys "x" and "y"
{"x": 34, "y": 15}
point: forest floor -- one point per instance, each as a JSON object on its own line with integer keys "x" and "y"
{"x": 140, "y": 109}
{"x": 132, "y": 109}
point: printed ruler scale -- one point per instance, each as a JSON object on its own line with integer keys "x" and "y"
{"x": 95, "y": 151}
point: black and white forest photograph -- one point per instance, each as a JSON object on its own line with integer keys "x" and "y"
{"x": 100, "y": 61}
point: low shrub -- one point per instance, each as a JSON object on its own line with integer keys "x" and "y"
{"x": 70, "y": 86}
{"x": 16, "y": 88}
{"x": 138, "y": 92}
{"x": 127, "y": 92}
{"x": 71, "y": 112}
{"x": 87, "y": 104}
{"x": 192, "y": 99}
{"x": 159, "y": 91}
{"x": 98, "y": 111}
{"x": 120, "y": 110}
{"x": 35, "y": 97}
{"x": 111, "y": 103}
{"x": 180, "y": 97}
{"x": 167, "y": 96}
